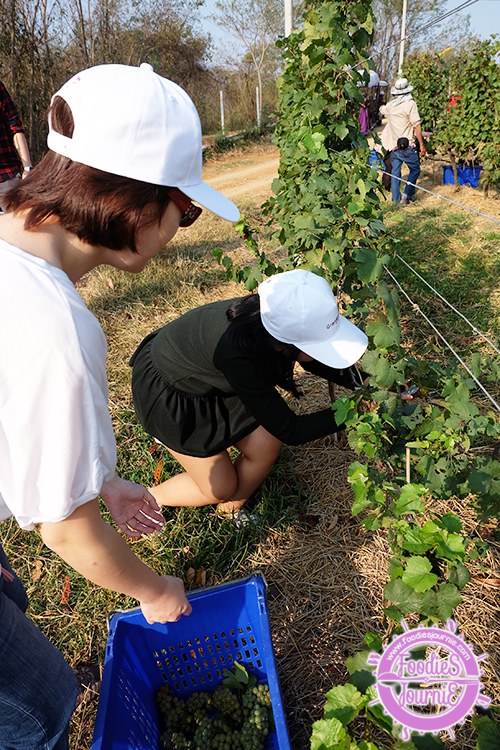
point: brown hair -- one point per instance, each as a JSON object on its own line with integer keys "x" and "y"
{"x": 98, "y": 207}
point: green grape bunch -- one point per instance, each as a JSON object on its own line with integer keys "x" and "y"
{"x": 237, "y": 715}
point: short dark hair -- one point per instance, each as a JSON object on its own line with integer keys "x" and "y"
{"x": 246, "y": 333}
{"x": 98, "y": 207}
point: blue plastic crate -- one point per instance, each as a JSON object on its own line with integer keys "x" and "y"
{"x": 376, "y": 159}
{"x": 466, "y": 175}
{"x": 228, "y": 623}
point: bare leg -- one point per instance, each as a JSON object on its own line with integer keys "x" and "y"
{"x": 258, "y": 452}
{"x": 216, "y": 479}
{"x": 206, "y": 481}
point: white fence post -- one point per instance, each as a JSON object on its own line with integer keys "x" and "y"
{"x": 222, "y": 112}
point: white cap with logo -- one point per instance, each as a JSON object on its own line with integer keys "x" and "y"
{"x": 129, "y": 121}
{"x": 298, "y": 307}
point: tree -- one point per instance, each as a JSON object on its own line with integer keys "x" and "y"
{"x": 430, "y": 79}
{"x": 256, "y": 24}
{"x": 388, "y": 15}
{"x": 45, "y": 42}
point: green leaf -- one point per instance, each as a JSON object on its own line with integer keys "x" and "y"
{"x": 373, "y": 641}
{"x": 376, "y": 714}
{"x": 418, "y": 575}
{"x": 361, "y": 498}
{"x": 341, "y": 408}
{"x": 384, "y": 335}
{"x": 409, "y": 501}
{"x": 427, "y": 742}
{"x": 231, "y": 681}
{"x": 451, "y": 547}
{"x": 314, "y": 142}
{"x": 253, "y": 279}
{"x": 405, "y": 596}
{"x": 341, "y": 130}
{"x": 359, "y": 662}
{"x": 240, "y": 673}
{"x": 459, "y": 576}
{"x": 370, "y": 264}
{"x": 417, "y": 541}
{"x": 327, "y": 734}
{"x": 488, "y": 735}
{"x": 451, "y": 522}
{"x": 448, "y": 598}
{"x": 343, "y": 703}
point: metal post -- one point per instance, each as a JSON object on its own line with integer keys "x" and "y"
{"x": 258, "y": 106}
{"x": 403, "y": 34}
{"x": 288, "y": 17}
{"x": 222, "y": 111}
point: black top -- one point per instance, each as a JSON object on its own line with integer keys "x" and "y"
{"x": 198, "y": 394}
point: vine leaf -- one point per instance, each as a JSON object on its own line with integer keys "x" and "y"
{"x": 327, "y": 734}
{"x": 409, "y": 501}
{"x": 343, "y": 703}
{"x": 405, "y": 596}
{"x": 418, "y": 575}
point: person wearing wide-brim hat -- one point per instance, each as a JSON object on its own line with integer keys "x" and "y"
{"x": 403, "y": 126}
{"x": 123, "y": 167}
{"x": 208, "y": 380}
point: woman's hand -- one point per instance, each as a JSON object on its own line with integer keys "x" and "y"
{"x": 169, "y": 606}
{"x": 132, "y": 507}
{"x": 404, "y": 397}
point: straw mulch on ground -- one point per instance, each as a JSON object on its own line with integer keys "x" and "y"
{"x": 327, "y": 580}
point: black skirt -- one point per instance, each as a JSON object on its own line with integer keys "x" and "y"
{"x": 194, "y": 425}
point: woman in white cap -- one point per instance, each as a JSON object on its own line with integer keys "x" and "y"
{"x": 124, "y": 164}
{"x": 207, "y": 381}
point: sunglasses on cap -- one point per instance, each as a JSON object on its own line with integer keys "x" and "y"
{"x": 190, "y": 212}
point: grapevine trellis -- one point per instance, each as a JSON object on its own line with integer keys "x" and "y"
{"x": 327, "y": 208}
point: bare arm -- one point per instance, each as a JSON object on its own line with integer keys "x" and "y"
{"x": 418, "y": 135}
{"x": 21, "y": 145}
{"x": 99, "y": 553}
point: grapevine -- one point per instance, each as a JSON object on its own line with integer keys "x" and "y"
{"x": 237, "y": 715}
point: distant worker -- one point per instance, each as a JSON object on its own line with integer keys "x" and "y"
{"x": 15, "y": 160}
{"x": 402, "y": 128}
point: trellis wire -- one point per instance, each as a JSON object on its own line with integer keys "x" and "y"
{"x": 457, "y": 356}
{"x": 417, "y": 31}
{"x": 436, "y": 195}
{"x": 477, "y": 331}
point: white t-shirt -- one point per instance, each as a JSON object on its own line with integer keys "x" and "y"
{"x": 401, "y": 122}
{"x": 56, "y": 438}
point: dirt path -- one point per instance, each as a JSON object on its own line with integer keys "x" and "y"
{"x": 244, "y": 174}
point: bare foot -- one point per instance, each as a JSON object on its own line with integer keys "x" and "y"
{"x": 232, "y": 506}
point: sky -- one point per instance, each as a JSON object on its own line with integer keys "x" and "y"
{"x": 484, "y": 20}
{"x": 484, "y": 16}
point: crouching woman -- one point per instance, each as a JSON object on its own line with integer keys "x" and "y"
{"x": 207, "y": 382}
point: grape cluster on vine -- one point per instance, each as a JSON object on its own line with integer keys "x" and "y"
{"x": 228, "y": 718}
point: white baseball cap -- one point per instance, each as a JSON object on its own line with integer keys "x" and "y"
{"x": 298, "y": 307}
{"x": 129, "y": 121}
